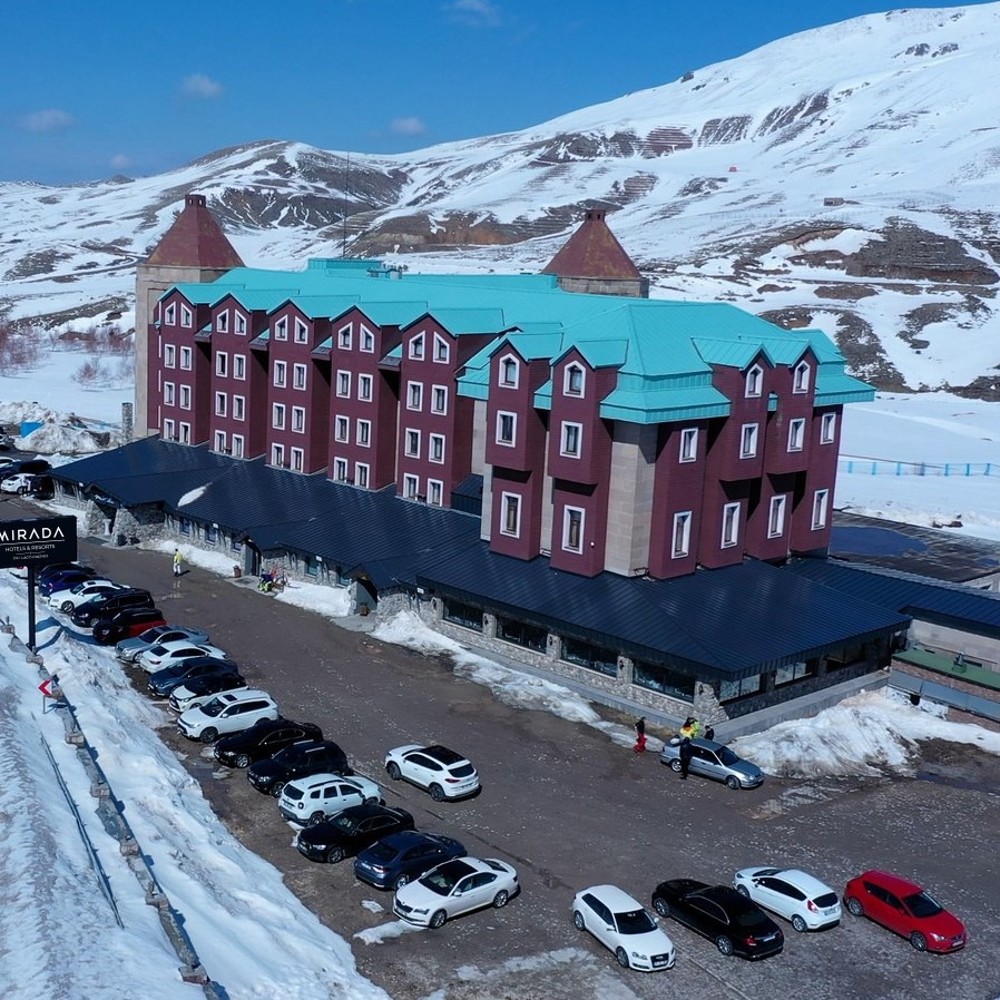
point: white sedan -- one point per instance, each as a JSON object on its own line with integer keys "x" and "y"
{"x": 795, "y": 895}
{"x": 166, "y": 654}
{"x": 453, "y": 888}
{"x": 321, "y": 796}
{"x": 444, "y": 773}
{"x": 70, "y": 599}
{"x": 621, "y": 924}
{"x": 20, "y": 482}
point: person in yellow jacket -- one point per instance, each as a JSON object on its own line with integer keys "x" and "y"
{"x": 178, "y": 559}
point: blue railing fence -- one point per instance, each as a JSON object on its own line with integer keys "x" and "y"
{"x": 888, "y": 467}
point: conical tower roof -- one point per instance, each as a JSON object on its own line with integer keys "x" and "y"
{"x": 195, "y": 240}
{"x": 593, "y": 252}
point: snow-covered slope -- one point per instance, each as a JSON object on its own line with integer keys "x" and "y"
{"x": 844, "y": 177}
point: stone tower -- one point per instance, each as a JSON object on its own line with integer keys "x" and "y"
{"x": 593, "y": 261}
{"x": 193, "y": 249}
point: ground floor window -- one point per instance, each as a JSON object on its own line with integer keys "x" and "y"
{"x": 312, "y": 566}
{"x": 237, "y": 545}
{"x": 184, "y": 526}
{"x": 845, "y": 657}
{"x": 743, "y": 688}
{"x": 463, "y": 614}
{"x": 522, "y": 634}
{"x": 211, "y": 534}
{"x": 583, "y": 654}
{"x": 794, "y": 672}
{"x": 664, "y": 680}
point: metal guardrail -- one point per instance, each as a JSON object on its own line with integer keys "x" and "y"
{"x": 888, "y": 467}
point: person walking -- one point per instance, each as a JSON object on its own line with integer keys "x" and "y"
{"x": 640, "y": 735}
{"x": 178, "y": 559}
{"x": 686, "y": 753}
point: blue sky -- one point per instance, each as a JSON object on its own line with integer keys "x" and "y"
{"x": 91, "y": 90}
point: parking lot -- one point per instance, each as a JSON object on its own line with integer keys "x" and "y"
{"x": 569, "y": 808}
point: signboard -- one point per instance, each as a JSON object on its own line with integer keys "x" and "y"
{"x": 37, "y": 541}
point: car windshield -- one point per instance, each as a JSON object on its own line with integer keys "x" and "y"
{"x": 727, "y": 757}
{"x": 381, "y": 852}
{"x": 634, "y": 922}
{"x": 444, "y": 878}
{"x": 214, "y": 707}
{"x": 293, "y": 793}
{"x": 344, "y": 823}
{"x": 922, "y": 904}
{"x": 150, "y": 635}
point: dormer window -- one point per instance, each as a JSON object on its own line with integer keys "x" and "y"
{"x": 417, "y": 347}
{"x": 170, "y": 315}
{"x": 508, "y": 373}
{"x": 803, "y": 373}
{"x": 186, "y": 317}
{"x": 301, "y": 332}
{"x": 241, "y": 323}
{"x": 573, "y": 381}
{"x": 442, "y": 352}
{"x": 222, "y": 322}
{"x": 367, "y": 340}
{"x": 755, "y": 382}
{"x": 344, "y": 338}
{"x": 281, "y": 330}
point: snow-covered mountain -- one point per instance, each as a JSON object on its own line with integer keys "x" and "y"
{"x": 845, "y": 178}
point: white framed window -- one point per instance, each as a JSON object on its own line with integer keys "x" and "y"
{"x": 280, "y": 373}
{"x": 571, "y": 439}
{"x": 412, "y": 444}
{"x": 436, "y": 448}
{"x": 681, "y": 537}
{"x": 168, "y": 394}
{"x": 439, "y": 399}
{"x": 364, "y": 387}
{"x": 241, "y": 323}
{"x": 169, "y": 356}
{"x": 299, "y": 376}
{"x": 340, "y": 470}
{"x": 435, "y": 492}
{"x": 239, "y": 407}
{"x": 754, "y": 382}
{"x": 821, "y": 500}
{"x": 301, "y": 333}
{"x": 240, "y": 367}
{"x": 221, "y": 404}
{"x": 222, "y": 322}
{"x": 222, "y": 364}
{"x": 298, "y": 459}
{"x": 572, "y": 534}
{"x": 796, "y": 434}
{"x": 574, "y": 380}
{"x": 299, "y": 419}
{"x": 362, "y": 473}
{"x": 187, "y": 317}
{"x": 278, "y": 416}
{"x": 415, "y": 395}
{"x": 341, "y": 429}
{"x": 442, "y": 349}
{"x": 828, "y": 428}
{"x": 748, "y": 441}
{"x": 730, "y": 524}
{"x": 185, "y": 397}
{"x": 344, "y": 337}
{"x": 506, "y": 428}
{"x": 417, "y": 347}
{"x": 185, "y": 433}
{"x": 367, "y": 340}
{"x": 237, "y": 445}
{"x": 509, "y": 370}
{"x": 281, "y": 329}
{"x": 169, "y": 429}
{"x": 802, "y": 377}
{"x": 170, "y": 315}
{"x": 689, "y": 445}
{"x": 411, "y": 487}
{"x": 186, "y": 358}
{"x": 277, "y": 454}
{"x": 364, "y": 433}
{"x": 776, "y": 515}
{"x": 220, "y": 441}
{"x": 510, "y": 514}
{"x": 343, "y": 383}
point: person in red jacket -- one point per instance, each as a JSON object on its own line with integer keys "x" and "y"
{"x": 640, "y": 735}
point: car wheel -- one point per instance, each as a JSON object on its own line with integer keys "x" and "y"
{"x": 392, "y": 768}
{"x": 500, "y": 899}
{"x": 743, "y": 891}
{"x": 438, "y": 917}
{"x": 578, "y": 921}
{"x": 918, "y": 941}
{"x": 799, "y": 924}
{"x": 854, "y": 905}
{"x": 622, "y": 957}
{"x": 373, "y": 800}
{"x": 401, "y": 880}
{"x": 724, "y": 944}
{"x": 317, "y": 817}
{"x": 733, "y": 782}
{"x": 661, "y": 906}
{"x": 209, "y": 735}
{"x": 335, "y": 855}
{"x": 22, "y": 490}
{"x": 277, "y": 788}
{"x": 675, "y": 765}
{"x": 66, "y": 607}
{"x": 243, "y": 760}
{"x": 437, "y": 793}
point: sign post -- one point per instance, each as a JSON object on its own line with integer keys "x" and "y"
{"x": 36, "y": 542}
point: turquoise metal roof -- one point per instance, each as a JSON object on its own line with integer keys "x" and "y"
{"x": 733, "y": 353}
{"x": 459, "y": 321}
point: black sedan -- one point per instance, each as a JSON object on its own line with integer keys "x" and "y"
{"x": 300, "y": 760}
{"x": 104, "y": 607}
{"x": 262, "y": 740}
{"x": 163, "y": 683}
{"x": 402, "y": 857}
{"x": 126, "y": 624}
{"x": 356, "y": 828}
{"x": 720, "y": 913}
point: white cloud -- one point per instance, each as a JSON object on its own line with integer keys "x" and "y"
{"x": 49, "y": 120}
{"x": 476, "y": 13}
{"x": 200, "y": 86}
{"x": 407, "y": 126}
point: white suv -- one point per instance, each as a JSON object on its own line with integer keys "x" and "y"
{"x": 320, "y": 796}
{"x": 229, "y": 712}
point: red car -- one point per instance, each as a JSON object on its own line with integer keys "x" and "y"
{"x": 905, "y": 908}
{"x": 126, "y": 624}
